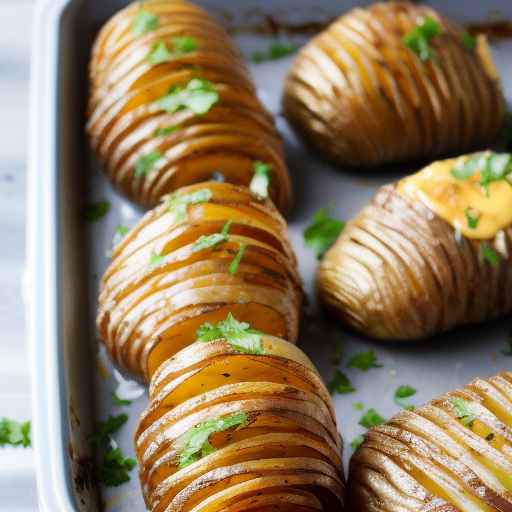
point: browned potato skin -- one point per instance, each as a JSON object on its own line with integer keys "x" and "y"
{"x": 286, "y": 458}
{"x": 149, "y": 312}
{"x": 395, "y": 468}
{"x": 123, "y": 116}
{"x": 398, "y": 272}
{"x": 360, "y": 97}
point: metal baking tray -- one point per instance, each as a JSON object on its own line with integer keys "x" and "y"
{"x": 66, "y": 257}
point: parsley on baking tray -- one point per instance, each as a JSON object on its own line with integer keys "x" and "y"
{"x": 96, "y": 211}
{"x": 195, "y": 443}
{"x": 239, "y": 335}
{"x": 418, "y": 39}
{"x": 276, "y": 50}
{"x": 364, "y": 361}
{"x": 233, "y": 266}
{"x": 322, "y": 232}
{"x": 119, "y": 401}
{"x": 144, "y": 22}
{"x": 14, "y": 433}
{"x": 105, "y": 429}
{"x": 401, "y": 393}
{"x": 261, "y": 179}
{"x": 371, "y": 418}
{"x": 146, "y": 163}
{"x": 462, "y": 410}
{"x": 177, "y": 203}
{"x": 340, "y": 384}
{"x": 208, "y": 241}
{"x": 198, "y": 95}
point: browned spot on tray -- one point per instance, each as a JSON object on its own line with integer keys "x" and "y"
{"x": 494, "y": 30}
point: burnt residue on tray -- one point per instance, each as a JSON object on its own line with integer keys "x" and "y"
{"x": 493, "y": 29}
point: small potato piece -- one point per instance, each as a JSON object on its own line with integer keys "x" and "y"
{"x": 172, "y": 103}
{"x": 453, "y": 454}
{"x": 362, "y": 97}
{"x": 413, "y": 263}
{"x": 285, "y": 453}
{"x": 163, "y": 284}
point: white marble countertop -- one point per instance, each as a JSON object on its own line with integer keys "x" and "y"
{"x": 17, "y": 482}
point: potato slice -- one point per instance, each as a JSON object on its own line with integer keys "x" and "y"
{"x": 360, "y": 96}
{"x": 124, "y": 113}
{"x": 452, "y": 454}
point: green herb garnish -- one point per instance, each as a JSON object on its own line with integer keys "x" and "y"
{"x": 195, "y": 443}
{"x": 489, "y": 255}
{"x": 363, "y": 361}
{"x": 96, "y": 211}
{"x": 144, "y": 21}
{"x": 159, "y": 53}
{"x": 114, "y": 468}
{"x": 181, "y": 45}
{"x": 105, "y": 429}
{"x": 471, "y": 218}
{"x": 468, "y": 41}
{"x": 462, "y": 411}
{"x": 208, "y": 241}
{"x": 418, "y": 40}
{"x": 121, "y": 230}
{"x": 357, "y": 442}
{"x": 166, "y": 130}
{"x": 146, "y": 163}
{"x": 371, "y": 418}
{"x": 402, "y": 392}
{"x": 178, "y": 203}
{"x": 322, "y": 232}
{"x": 358, "y": 406}
{"x": 184, "y": 44}
{"x": 238, "y": 334}
{"x": 119, "y": 401}
{"x": 198, "y": 95}
{"x": 261, "y": 179}
{"x": 340, "y": 384}
{"x": 14, "y": 433}
{"x": 156, "y": 259}
{"x": 276, "y": 50}
{"x": 233, "y": 266}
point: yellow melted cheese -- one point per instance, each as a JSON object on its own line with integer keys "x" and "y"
{"x": 450, "y": 198}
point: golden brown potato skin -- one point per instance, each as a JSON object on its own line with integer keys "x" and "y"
{"x": 149, "y": 311}
{"x": 362, "y": 98}
{"x": 398, "y": 272}
{"x": 434, "y": 459}
{"x": 123, "y": 115}
{"x": 285, "y": 458}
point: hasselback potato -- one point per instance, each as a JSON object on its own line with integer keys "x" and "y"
{"x": 428, "y": 253}
{"x": 171, "y": 104}
{"x": 232, "y": 428}
{"x": 208, "y": 249}
{"x": 453, "y": 454}
{"x": 394, "y": 82}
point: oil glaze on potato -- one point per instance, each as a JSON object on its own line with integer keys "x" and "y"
{"x": 362, "y": 98}
{"x": 127, "y": 124}
{"x": 453, "y": 454}
{"x": 160, "y": 286}
{"x": 284, "y": 457}
{"x": 402, "y": 271}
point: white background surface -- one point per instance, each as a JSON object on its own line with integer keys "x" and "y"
{"x": 17, "y": 482}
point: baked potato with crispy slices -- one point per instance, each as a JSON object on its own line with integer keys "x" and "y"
{"x": 172, "y": 103}
{"x": 453, "y": 454}
{"x": 427, "y": 254}
{"x": 394, "y": 82}
{"x": 208, "y": 249}
{"x": 236, "y": 424}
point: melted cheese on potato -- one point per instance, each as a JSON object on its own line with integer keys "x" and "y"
{"x": 455, "y": 199}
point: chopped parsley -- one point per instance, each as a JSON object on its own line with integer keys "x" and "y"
{"x": 472, "y": 217}
{"x": 195, "y": 443}
{"x": 144, "y": 22}
{"x": 418, "y": 39}
{"x": 14, "y": 433}
{"x": 371, "y": 418}
{"x": 468, "y": 41}
{"x": 208, "y": 241}
{"x": 96, "y": 211}
{"x": 322, "y": 232}
{"x": 119, "y": 401}
{"x": 198, "y": 95}
{"x": 233, "y": 266}
{"x": 401, "y": 393}
{"x": 121, "y": 230}
{"x": 261, "y": 179}
{"x": 105, "y": 429}
{"x": 340, "y": 384}
{"x": 114, "y": 468}
{"x": 146, "y": 163}
{"x": 159, "y": 53}
{"x": 489, "y": 255}
{"x": 357, "y": 442}
{"x": 166, "y": 130}
{"x": 181, "y": 45}
{"x": 358, "y": 406}
{"x": 156, "y": 259}
{"x": 462, "y": 411}
{"x": 184, "y": 44}
{"x": 238, "y": 334}
{"x": 178, "y": 203}
{"x": 363, "y": 361}
{"x": 276, "y": 50}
